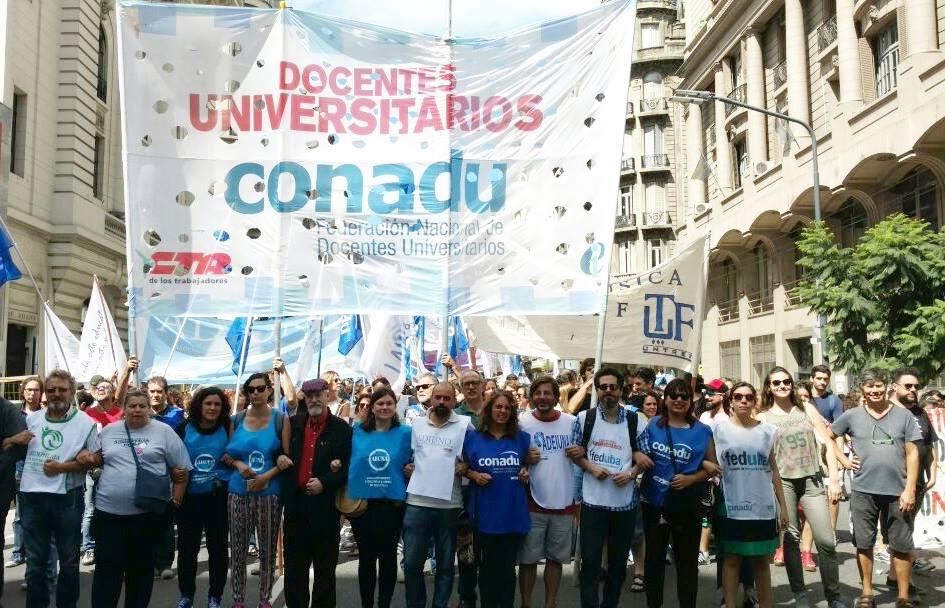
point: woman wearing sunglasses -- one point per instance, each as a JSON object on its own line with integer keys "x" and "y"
{"x": 797, "y": 455}
{"x": 752, "y": 502}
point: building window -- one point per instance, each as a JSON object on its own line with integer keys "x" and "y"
{"x": 852, "y": 223}
{"x": 625, "y": 204}
{"x": 649, "y": 35}
{"x": 18, "y": 134}
{"x": 655, "y": 252}
{"x": 102, "y": 86}
{"x": 730, "y": 359}
{"x": 652, "y": 139}
{"x": 886, "y": 56}
{"x": 740, "y": 152}
{"x": 730, "y": 281}
{"x": 763, "y": 270}
{"x": 623, "y": 260}
{"x": 762, "y": 358}
{"x": 655, "y": 197}
{"x": 917, "y": 195}
{"x": 653, "y": 85}
{"x": 803, "y": 352}
{"x": 98, "y": 167}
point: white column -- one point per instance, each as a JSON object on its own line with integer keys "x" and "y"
{"x": 848, "y": 52}
{"x": 723, "y": 150}
{"x": 797, "y": 65}
{"x": 921, "y": 21}
{"x": 757, "y": 123}
{"x": 694, "y": 148}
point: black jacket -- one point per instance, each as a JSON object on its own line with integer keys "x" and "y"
{"x": 12, "y": 421}
{"x": 333, "y": 444}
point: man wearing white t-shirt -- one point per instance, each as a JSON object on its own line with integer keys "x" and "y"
{"x": 434, "y": 496}
{"x": 52, "y": 491}
{"x": 551, "y": 492}
{"x": 608, "y": 433}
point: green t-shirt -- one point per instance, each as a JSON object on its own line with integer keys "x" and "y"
{"x": 463, "y": 410}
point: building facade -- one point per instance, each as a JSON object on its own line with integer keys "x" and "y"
{"x": 65, "y": 203}
{"x": 869, "y": 76}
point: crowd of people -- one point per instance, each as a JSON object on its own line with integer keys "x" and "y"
{"x": 484, "y": 480}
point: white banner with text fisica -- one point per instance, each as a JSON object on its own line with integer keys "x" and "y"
{"x": 280, "y": 163}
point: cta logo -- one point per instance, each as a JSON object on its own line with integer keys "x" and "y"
{"x": 190, "y": 262}
{"x": 379, "y": 460}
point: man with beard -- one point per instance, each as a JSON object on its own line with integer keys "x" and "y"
{"x": 906, "y": 391}
{"x": 434, "y": 496}
{"x": 312, "y": 526}
{"x": 414, "y": 409}
{"x": 608, "y": 433}
{"x": 51, "y": 491}
{"x": 551, "y": 492}
{"x": 828, "y": 404}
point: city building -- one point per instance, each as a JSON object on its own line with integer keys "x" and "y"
{"x": 651, "y": 202}
{"x": 64, "y": 205}
{"x": 869, "y": 75}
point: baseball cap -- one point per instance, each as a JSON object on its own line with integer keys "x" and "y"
{"x": 96, "y": 379}
{"x": 314, "y": 386}
{"x": 715, "y": 386}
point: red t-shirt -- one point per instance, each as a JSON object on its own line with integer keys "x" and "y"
{"x": 313, "y": 429}
{"x": 103, "y": 418}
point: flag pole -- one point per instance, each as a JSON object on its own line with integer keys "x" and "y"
{"x": 321, "y": 334}
{"x": 170, "y": 355}
{"x": 111, "y": 344}
{"x": 444, "y": 324}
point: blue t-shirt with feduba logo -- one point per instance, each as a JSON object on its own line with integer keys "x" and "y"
{"x": 377, "y": 463}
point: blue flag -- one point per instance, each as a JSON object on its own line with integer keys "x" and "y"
{"x": 8, "y": 270}
{"x": 234, "y": 339}
{"x": 350, "y": 335}
{"x": 458, "y": 341}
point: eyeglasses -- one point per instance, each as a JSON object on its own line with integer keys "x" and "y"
{"x": 608, "y": 387}
{"x": 257, "y": 389}
{"x": 787, "y": 382}
{"x": 743, "y": 397}
{"x": 887, "y": 440}
{"x": 677, "y": 397}
{"x": 424, "y": 387}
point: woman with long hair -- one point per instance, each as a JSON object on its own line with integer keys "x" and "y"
{"x": 797, "y": 455}
{"x": 205, "y": 433}
{"x": 680, "y": 446}
{"x": 363, "y": 406}
{"x": 257, "y": 451}
{"x": 651, "y": 404}
{"x": 752, "y": 504}
{"x": 337, "y": 404}
{"x": 380, "y": 451}
{"x": 496, "y": 454}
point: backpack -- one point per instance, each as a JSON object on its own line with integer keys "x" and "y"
{"x": 591, "y": 417}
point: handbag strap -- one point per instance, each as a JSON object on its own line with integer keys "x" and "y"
{"x": 131, "y": 446}
{"x": 672, "y": 449}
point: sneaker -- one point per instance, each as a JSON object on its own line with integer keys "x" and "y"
{"x": 836, "y": 604}
{"x": 922, "y": 566}
{"x": 779, "y": 557}
{"x": 254, "y": 570}
{"x": 88, "y": 558}
{"x": 801, "y": 600}
{"x": 750, "y": 601}
{"x": 669, "y": 554}
{"x": 14, "y": 561}
{"x": 253, "y": 550}
{"x": 167, "y": 574}
{"x": 807, "y": 561}
{"x": 23, "y": 586}
{"x": 214, "y": 602}
{"x": 882, "y": 556}
{"x": 704, "y": 558}
{"x": 185, "y": 602}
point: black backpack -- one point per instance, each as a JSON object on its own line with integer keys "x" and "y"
{"x": 591, "y": 417}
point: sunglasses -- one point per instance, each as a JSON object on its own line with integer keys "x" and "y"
{"x": 608, "y": 387}
{"x": 788, "y": 382}
{"x": 257, "y": 389}
{"x": 909, "y": 387}
{"x": 424, "y": 387}
{"x": 677, "y": 397}
{"x": 743, "y": 397}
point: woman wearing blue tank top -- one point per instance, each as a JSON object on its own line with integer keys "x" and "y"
{"x": 205, "y": 432}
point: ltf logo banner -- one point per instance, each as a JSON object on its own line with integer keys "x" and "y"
{"x": 663, "y": 321}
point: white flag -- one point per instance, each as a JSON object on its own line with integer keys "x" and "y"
{"x": 61, "y": 347}
{"x": 384, "y": 346}
{"x": 100, "y": 349}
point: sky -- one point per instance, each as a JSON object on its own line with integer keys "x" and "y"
{"x": 471, "y": 18}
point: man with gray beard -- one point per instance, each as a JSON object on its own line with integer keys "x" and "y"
{"x": 52, "y": 490}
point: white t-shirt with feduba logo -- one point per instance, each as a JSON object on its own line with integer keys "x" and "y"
{"x": 744, "y": 455}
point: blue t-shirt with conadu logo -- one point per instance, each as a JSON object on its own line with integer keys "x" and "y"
{"x": 377, "y": 463}
{"x": 690, "y": 446}
{"x": 500, "y": 506}
{"x": 205, "y": 450}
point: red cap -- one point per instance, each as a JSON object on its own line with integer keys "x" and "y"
{"x": 715, "y": 385}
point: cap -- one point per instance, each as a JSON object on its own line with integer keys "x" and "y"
{"x": 716, "y": 385}
{"x": 96, "y": 379}
{"x": 314, "y": 386}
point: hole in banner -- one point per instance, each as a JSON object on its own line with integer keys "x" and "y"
{"x": 185, "y": 198}
{"x": 260, "y": 63}
{"x": 140, "y": 54}
{"x": 229, "y": 136}
{"x": 264, "y": 141}
{"x": 160, "y": 106}
{"x": 587, "y": 206}
{"x": 567, "y": 284}
{"x": 246, "y": 270}
{"x": 260, "y": 104}
{"x": 180, "y": 133}
{"x": 221, "y": 235}
{"x": 233, "y": 49}
{"x": 216, "y": 188}
{"x": 152, "y": 238}
{"x": 183, "y": 238}
{"x": 324, "y": 257}
{"x": 589, "y": 121}
{"x": 560, "y": 211}
{"x": 259, "y": 187}
{"x": 146, "y": 141}
{"x": 356, "y": 258}
{"x": 589, "y": 237}
{"x": 254, "y": 233}
{"x": 562, "y": 248}
{"x": 230, "y": 86}
{"x": 557, "y": 171}
{"x": 590, "y": 163}
{"x": 311, "y": 144}
{"x": 599, "y": 97}
{"x": 168, "y": 67}
{"x": 308, "y": 223}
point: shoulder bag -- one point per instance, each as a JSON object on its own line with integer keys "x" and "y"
{"x": 699, "y": 498}
{"x": 152, "y": 491}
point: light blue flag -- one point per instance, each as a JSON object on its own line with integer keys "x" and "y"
{"x": 350, "y": 335}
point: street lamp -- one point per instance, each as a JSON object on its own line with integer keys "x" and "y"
{"x": 688, "y": 95}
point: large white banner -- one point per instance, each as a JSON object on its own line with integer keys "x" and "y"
{"x": 930, "y": 518}
{"x": 100, "y": 347}
{"x": 653, "y": 319}
{"x": 282, "y": 163}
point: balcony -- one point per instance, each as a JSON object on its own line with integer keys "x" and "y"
{"x": 654, "y": 162}
{"x": 667, "y": 4}
{"x": 625, "y": 222}
{"x": 827, "y": 34}
{"x": 728, "y": 311}
{"x": 656, "y": 219}
{"x": 791, "y": 297}
{"x": 670, "y": 51}
{"x": 739, "y": 93}
{"x": 654, "y": 106}
{"x": 628, "y": 166}
{"x": 780, "y": 75}
{"x": 629, "y": 110}
{"x": 114, "y": 226}
{"x": 761, "y": 303}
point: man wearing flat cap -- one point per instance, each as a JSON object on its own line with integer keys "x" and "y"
{"x": 312, "y": 524}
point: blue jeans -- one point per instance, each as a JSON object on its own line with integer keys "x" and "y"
{"x": 424, "y": 526}
{"x": 88, "y": 541}
{"x": 46, "y": 518}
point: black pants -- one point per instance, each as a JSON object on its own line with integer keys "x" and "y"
{"x": 615, "y": 528}
{"x": 310, "y": 545}
{"x": 377, "y": 532}
{"x": 4, "y": 511}
{"x": 684, "y": 529}
{"x": 201, "y": 513}
{"x": 124, "y": 553}
{"x": 496, "y": 554}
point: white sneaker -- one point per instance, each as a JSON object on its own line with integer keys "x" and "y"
{"x": 801, "y": 600}
{"x": 167, "y": 574}
{"x": 88, "y": 558}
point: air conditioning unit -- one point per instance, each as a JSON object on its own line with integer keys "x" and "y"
{"x": 762, "y": 167}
